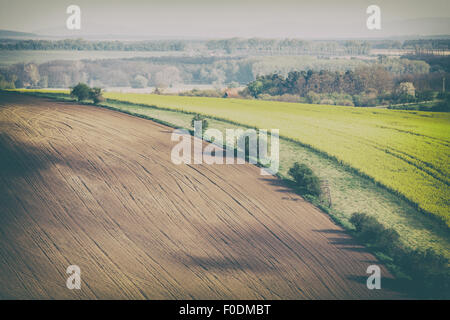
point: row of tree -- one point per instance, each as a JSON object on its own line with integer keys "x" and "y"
{"x": 232, "y": 45}
{"x": 360, "y": 80}
{"x": 364, "y": 86}
{"x": 411, "y": 44}
{"x": 80, "y": 44}
{"x": 168, "y": 71}
{"x": 290, "y": 46}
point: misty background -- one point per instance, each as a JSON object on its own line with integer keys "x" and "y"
{"x": 154, "y": 19}
{"x": 298, "y": 51}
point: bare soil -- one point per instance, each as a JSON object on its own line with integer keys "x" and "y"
{"x": 86, "y": 186}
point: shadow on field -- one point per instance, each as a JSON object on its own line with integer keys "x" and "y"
{"x": 386, "y": 283}
{"x": 20, "y": 160}
{"x": 242, "y": 250}
{"x": 342, "y": 240}
{"x": 347, "y": 244}
{"x": 330, "y": 231}
{"x": 258, "y": 250}
{"x": 226, "y": 263}
{"x": 285, "y": 186}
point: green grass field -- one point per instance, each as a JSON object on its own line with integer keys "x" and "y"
{"x": 406, "y": 151}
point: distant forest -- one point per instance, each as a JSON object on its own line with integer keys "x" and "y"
{"x": 233, "y": 45}
{"x": 327, "y": 72}
{"x": 168, "y": 71}
{"x": 80, "y": 44}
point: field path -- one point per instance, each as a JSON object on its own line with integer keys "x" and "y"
{"x": 91, "y": 187}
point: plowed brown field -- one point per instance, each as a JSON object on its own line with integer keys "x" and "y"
{"x": 86, "y": 186}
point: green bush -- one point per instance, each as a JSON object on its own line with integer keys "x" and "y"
{"x": 305, "y": 179}
{"x": 81, "y": 91}
{"x": 427, "y": 270}
{"x": 96, "y": 95}
{"x": 369, "y": 230}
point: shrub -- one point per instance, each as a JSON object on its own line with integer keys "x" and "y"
{"x": 81, "y": 91}
{"x": 369, "y": 230}
{"x": 255, "y": 88}
{"x": 305, "y": 179}
{"x": 428, "y": 270}
{"x": 96, "y": 95}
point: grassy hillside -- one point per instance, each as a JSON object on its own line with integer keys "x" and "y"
{"x": 406, "y": 151}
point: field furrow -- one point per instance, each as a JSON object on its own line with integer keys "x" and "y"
{"x": 96, "y": 188}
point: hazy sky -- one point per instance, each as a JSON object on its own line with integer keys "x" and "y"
{"x": 222, "y": 18}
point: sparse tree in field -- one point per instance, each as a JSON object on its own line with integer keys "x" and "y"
{"x": 81, "y": 91}
{"x": 255, "y": 88}
{"x": 96, "y": 95}
{"x": 305, "y": 179}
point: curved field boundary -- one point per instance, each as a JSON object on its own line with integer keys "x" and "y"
{"x": 435, "y": 204}
{"x": 96, "y": 188}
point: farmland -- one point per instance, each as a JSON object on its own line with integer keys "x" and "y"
{"x": 93, "y": 187}
{"x": 407, "y": 152}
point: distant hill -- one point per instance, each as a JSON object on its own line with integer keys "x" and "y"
{"x": 15, "y": 34}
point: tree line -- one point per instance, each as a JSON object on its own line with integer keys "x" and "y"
{"x": 365, "y": 86}
{"x": 232, "y": 45}
{"x": 80, "y": 44}
{"x": 168, "y": 71}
